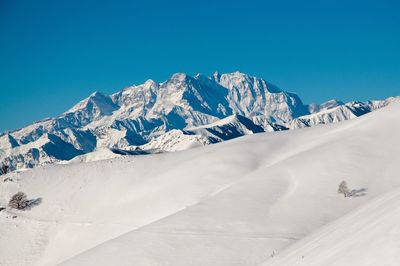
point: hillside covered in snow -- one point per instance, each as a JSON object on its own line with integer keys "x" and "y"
{"x": 180, "y": 113}
{"x": 262, "y": 199}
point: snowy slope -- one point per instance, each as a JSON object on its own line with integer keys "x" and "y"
{"x": 272, "y": 206}
{"x": 233, "y": 203}
{"x": 367, "y": 236}
{"x": 177, "y": 140}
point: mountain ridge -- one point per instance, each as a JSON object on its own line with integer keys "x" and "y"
{"x": 132, "y": 118}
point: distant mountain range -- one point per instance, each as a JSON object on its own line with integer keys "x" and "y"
{"x": 178, "y": 114}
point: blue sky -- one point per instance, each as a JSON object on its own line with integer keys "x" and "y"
{"x": 55, "y": 53}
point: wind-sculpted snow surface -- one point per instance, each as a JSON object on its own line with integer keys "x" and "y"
{"x": 241, "y": 202}
{"x": 143, "y": 117}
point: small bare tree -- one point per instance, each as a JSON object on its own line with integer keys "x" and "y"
{"x": 343, "y": 189}
{"x": 18, "y": 201}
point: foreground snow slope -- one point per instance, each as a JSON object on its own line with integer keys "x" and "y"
{"x": 233, "y": 203}
{"x": 367, "y": 236}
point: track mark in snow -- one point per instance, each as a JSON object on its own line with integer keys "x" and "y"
{"x": 252, "y": 235}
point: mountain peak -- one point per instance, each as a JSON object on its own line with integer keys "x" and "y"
{"x": 150, "y": 83}
{"x": 314, "y": 108}
{"x": 96, "y": 98}
{"x": 236, "y": 74}
{"x": 96, "y": 94}
{"x": 90, "y": 109}
{"x": 179, "y": 76}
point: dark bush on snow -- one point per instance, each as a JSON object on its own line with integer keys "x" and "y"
{"x": 20, "y": 202}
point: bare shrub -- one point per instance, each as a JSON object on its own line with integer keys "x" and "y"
{"x": 20, "y": 202}
{"x": 343, "y": 189}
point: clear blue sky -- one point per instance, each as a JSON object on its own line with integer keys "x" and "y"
{"x": 55, "y": 53}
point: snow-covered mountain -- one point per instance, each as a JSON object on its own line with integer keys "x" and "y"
{"x": 334, "y": 111}
{"x": 182, "y": 112}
